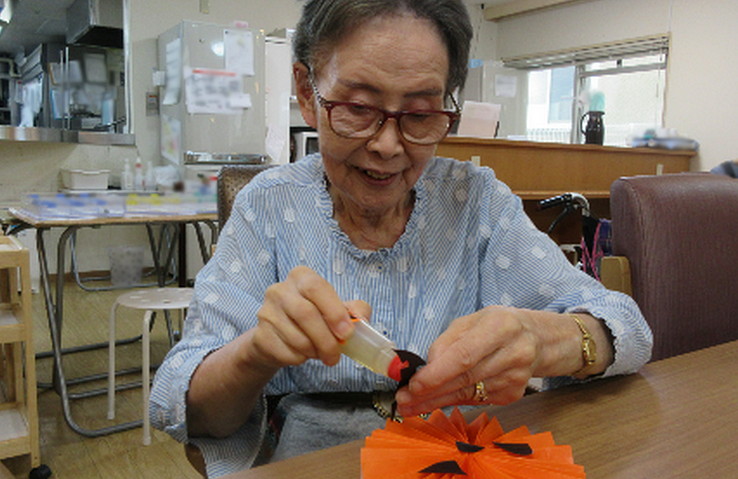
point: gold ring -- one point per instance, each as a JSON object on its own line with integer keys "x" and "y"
{"x": 480, "y": 392}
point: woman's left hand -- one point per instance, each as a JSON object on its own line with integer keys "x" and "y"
{"x": 500, "y": 347}
{"x": 493, "y": 345}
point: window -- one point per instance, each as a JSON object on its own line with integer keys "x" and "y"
{"x": 626, "y": 80}
{"x": 550, "y": 99}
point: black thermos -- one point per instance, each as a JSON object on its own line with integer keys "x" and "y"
{"x": 594, "y": 132}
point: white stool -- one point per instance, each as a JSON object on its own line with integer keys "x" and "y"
{"x": 165, "y": 299}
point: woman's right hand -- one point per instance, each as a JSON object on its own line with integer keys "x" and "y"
{"x": 302, "y": 318}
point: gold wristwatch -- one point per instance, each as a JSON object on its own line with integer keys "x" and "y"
{"x": 589, "y": 348}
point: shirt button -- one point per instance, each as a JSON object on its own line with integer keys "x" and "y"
{"x": 402, "y": 264}
{"x": 375, "y": 270}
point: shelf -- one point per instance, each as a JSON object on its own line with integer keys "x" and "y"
{"x": 58, "y": 135}
{"x": 543, "y": 194}
{"x": 19, "y": 434}
{"x": 11, "y": 329}
{"x": 12, "y": 253}
{"x": 14, "y": 435}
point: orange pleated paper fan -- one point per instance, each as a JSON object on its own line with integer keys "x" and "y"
{"x": 448, "y": 448}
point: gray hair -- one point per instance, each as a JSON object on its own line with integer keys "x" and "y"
{"x": 325, "y": 22}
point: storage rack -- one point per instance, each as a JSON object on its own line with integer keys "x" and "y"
{"x": 19, "y": 432}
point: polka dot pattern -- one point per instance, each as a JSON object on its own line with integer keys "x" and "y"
{"x": 468, "y": 245}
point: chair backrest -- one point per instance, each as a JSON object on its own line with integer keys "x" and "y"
{"x": 230, "y": 181}
{"x": 678, "y": 232}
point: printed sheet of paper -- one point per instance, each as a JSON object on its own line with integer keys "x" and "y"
{"x": 171, "y": 138}
{"x": 215, "y": 92}
{"x": 239, "y": 51}
{"x": 479, "y": 119}
{"x": 173, "y": 72}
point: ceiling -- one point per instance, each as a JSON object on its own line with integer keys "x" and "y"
{"x": 34, "y": 22}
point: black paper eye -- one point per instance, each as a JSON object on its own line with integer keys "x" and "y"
{"x": 514, "y": 448}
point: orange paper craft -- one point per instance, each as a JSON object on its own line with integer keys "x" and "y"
{"x": 449, "y": 448}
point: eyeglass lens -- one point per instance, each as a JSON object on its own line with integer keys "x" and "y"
{"x": 360, "y": 121}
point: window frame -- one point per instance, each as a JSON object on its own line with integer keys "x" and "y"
{"x": 582, "y": 57}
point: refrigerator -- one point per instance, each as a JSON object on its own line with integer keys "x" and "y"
{"x": 224, "y": 98}
{"x": 215, "y": 105}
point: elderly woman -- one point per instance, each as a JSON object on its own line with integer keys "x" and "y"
{"x": 437, "y": 253}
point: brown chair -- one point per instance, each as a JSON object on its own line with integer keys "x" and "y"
{"x": 678, "y": 234}
{"x": 231, "y": 179}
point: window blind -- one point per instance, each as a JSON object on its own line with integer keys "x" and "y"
{"x": 642, "y": 46}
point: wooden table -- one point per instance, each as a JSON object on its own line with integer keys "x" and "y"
{"x": 55, "y": 302}
{"x": 677, "y": 418}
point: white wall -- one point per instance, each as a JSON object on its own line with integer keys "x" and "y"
{"x": 484, "y": 44}
{"x": 701, "y": 100}
{"x": 27, "y": 167}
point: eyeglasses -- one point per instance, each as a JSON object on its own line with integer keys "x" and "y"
{"x": 360, "y": 121}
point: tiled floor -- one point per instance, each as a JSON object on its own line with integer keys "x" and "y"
{"x": 120, "y": 455}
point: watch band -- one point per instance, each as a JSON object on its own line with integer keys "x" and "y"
{"x": 589, "y": 348}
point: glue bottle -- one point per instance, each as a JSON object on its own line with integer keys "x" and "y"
{"x": 372, "y": 349}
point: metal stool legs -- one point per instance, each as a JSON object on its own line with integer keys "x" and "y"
{"x": 145, "y": 370}
{"x": 166, "y": 299}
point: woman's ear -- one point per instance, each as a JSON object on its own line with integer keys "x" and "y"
{"x": 305, "y": 95}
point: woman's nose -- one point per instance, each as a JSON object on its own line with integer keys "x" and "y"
{"x": 388, "y": 140}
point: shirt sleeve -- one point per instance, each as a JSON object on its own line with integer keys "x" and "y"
{"x": 228, "y": 293}
{"x": 522, "y": 267}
